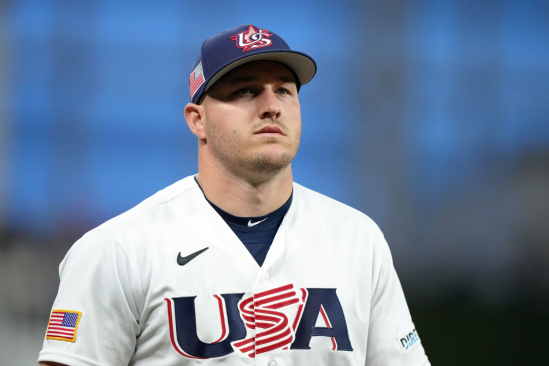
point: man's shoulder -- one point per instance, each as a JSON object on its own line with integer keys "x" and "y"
{"x": 158, "y": 202}
{"x": 320, "y": 204}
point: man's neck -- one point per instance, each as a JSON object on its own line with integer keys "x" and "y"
{"x": 242, "y": 197}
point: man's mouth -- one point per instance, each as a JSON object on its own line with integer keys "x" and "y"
{"x": 270, "y": 129}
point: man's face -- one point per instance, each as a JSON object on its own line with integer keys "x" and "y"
{"x": 253, "y": 118}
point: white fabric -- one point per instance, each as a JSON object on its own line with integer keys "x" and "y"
{"x": 119, "y": 275}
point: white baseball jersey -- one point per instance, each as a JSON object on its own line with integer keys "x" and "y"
{"x": 142, "y": 289}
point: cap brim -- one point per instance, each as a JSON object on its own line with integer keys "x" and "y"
{"x": 303, "y": 65}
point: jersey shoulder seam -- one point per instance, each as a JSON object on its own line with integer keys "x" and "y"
{"x": 135, "y": 276}
{"x": 332, "y": 201}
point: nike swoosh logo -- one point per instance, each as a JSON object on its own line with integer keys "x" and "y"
{"x": 184, "y": 260}
{"x": 251, "y": 224}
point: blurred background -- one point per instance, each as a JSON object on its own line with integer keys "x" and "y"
{"x": 432, "y": 117}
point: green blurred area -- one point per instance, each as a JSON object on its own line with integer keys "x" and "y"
{"x": 459, "y": 331}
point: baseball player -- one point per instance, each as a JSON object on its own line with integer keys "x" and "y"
{"x": 237, "y": 265}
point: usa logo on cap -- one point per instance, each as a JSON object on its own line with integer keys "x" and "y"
{"x": 252, "y": 38}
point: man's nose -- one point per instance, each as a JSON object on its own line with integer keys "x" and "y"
{"x": 268, "y": 105}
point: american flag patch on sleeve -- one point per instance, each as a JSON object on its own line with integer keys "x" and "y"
{"x": 63, "y": 325}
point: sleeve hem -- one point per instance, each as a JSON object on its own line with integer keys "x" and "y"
{"x": 67, "y": 359}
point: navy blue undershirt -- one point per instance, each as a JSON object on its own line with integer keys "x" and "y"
{"x": 259, "y": 237}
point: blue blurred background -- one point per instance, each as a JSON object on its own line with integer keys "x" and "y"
{"x": 432, "y": 117}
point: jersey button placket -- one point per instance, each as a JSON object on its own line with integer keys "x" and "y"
{"x": 266, "y": 276}
{"x": 272, "y": 363}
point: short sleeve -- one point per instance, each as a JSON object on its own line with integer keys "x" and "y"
{"x": 392, "y": 337}
{"x": 97, "y": 282}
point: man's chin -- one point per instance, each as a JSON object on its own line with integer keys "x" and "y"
{"x": 268, "y": 163}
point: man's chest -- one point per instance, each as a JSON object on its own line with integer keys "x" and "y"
{"x": 211, "y": 301}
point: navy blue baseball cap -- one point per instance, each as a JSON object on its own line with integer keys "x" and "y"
{"x": 237, "y": 46}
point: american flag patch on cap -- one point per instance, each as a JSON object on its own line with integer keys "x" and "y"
{"x": 196, "y": 79}
{"x": 63, "y": 325}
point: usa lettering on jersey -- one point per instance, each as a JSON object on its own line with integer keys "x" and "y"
{"x": 278, "y": 319}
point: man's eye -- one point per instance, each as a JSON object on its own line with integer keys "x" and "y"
{"x": 244, "y": 91}
{"x": 283, "y": 91}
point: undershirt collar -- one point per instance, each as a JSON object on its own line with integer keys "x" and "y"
{"x": 261, "y": 222}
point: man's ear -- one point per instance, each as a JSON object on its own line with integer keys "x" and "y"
{"x": 194, "y": 115}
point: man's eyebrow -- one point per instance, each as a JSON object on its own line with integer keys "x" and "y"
{"x": 287, "y": 79}
{"x": 241, "y": 80}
